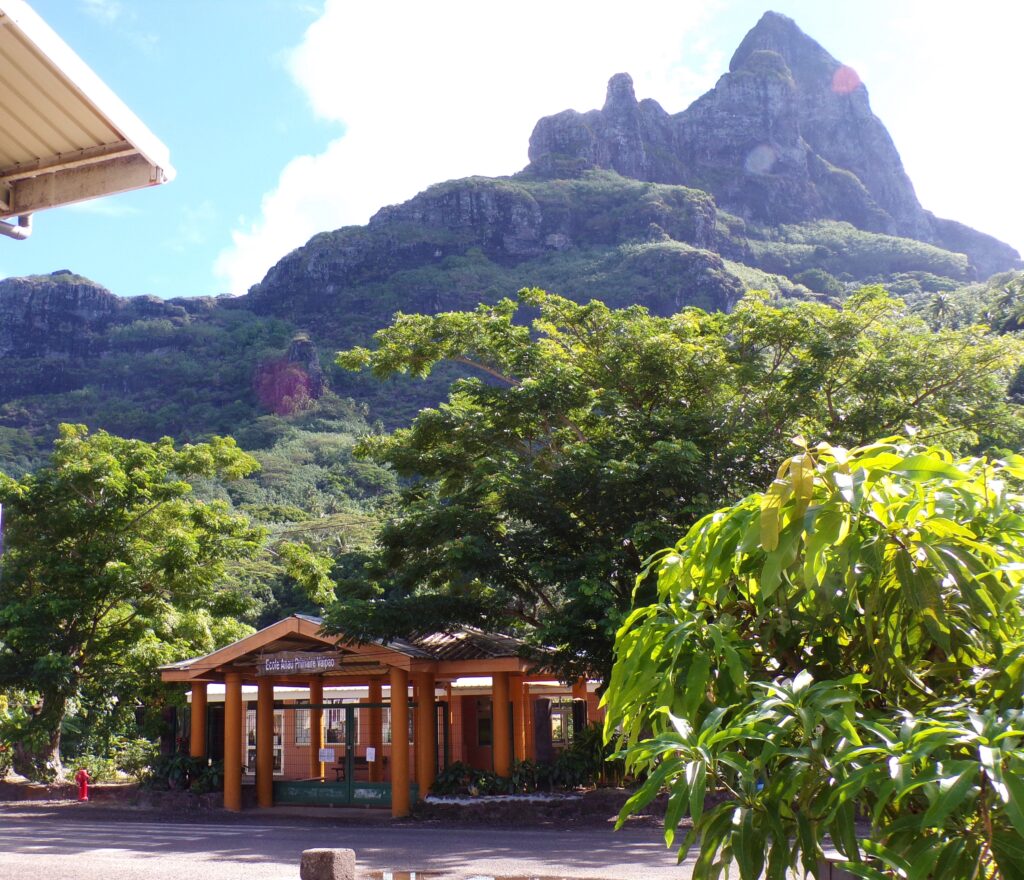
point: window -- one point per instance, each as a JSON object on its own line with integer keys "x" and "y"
{"x": 335, "y": 724}
{"x": 250, "y": 741}
{"x": 386, "y": 724}
{"x": 561, "y": 722}
{"x": 302, "y": 727}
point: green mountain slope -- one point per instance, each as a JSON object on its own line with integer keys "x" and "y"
{"x": 770, "y": 181}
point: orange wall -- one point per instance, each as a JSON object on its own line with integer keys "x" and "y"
{"x": 462, "y": 738}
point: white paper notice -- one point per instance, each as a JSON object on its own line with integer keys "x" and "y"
{"x": 371, "y": 754}
{"x": 326, "y": 756}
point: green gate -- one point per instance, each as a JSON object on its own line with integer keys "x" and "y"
{"x": 348, "y": 791}
{"x": 337, "y": 794}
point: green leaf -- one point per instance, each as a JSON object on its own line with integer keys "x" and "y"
{"x": 1008, "y": 849}
{"x": 1014, "y": 806}
{"x": 951, "y": 858}
{"x": 952, "y": 794}
{"x": 696, "y": 778}
{"x": 919, "y": 466}
{"x": 859, "y": 869}
{"x": 697, "y": 677}
{"x": 748, "y": 844}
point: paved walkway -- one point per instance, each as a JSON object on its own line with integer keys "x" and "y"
{"x": 92, "y": 843}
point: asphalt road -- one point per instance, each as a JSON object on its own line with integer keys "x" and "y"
{"x": 87, "y": 843}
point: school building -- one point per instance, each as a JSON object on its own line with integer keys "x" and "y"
{"x": 307, "y": 717}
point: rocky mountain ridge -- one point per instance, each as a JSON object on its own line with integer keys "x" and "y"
{"x": 787, "y": 135}
{"x": 64, "y": 315}
{"x": 780, "y": 178}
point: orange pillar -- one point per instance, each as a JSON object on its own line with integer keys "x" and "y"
{"x": 531, "y": 747}
{"x": 425, "y": 737}
{"x": 518, "y": 718}
{"x": 399, "y": 742}
{"x": 233, "y": 741}
{"x": 316, "y": 727}
{"x": 500, "y": 720}
{"x": 197, "y": 736}
{"x": 265, "y": 742}
{"x": 375, "y": 695}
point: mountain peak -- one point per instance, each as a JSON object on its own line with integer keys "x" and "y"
{"x": 778, "y": 33}
{"x": 620, "y": 93}
{"x": 786, "y": 136}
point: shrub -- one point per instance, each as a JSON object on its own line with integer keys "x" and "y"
{"x": 456, "y": 778}
{"x": 135, "y": 757}
{"x": 100, "y": 769}
{"x": 596, "y": 756}
{"x": 181, "y": 771}
{"x": 820, "y": 281}
{"x": 846, "y": 648}
{"x": 210, "y": 778}
{"x": 583, "y": 763}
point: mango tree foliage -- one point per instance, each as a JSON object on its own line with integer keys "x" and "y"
{"x": 845, "y": 647}
{"x": 591, "y": 437}
{"x": 110, "y": 567}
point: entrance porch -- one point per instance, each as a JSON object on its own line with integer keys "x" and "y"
{"x": 383, "y": 740}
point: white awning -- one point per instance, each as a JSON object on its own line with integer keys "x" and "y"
{"x": 64, "y": 135}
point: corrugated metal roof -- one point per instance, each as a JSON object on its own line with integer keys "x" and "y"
{"x": 469, "y": 644}
{"x": 64, "y": 135}
{"x": 466, "y": 643}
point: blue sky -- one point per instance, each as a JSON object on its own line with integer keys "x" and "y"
{"x": 287, "y": 117}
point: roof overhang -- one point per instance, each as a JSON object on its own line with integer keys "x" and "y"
{"x": 64, "y": 135}
{"x": 359, "y": 660}
{"x": 293, "y": 633}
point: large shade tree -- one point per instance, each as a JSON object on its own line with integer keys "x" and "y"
{"x": 587, "y": 439}
{"x": 841, "y": 651}
{"x": 110, "y": 565}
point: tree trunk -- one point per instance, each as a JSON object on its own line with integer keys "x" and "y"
{"x": 37, "y": 754}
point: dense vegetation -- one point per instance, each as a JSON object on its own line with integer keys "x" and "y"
{"x": 110, "y": 567}
{"x": 186, "y": 377}
{"x": 190, "y": 368}
{"x": 845, "y": 647}
{"x": 306, "y": 506}
{"x": 534, "y": 494}
{"x": 494, "y": 509}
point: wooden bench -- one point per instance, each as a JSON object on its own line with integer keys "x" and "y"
{"x": 360, "y": 768}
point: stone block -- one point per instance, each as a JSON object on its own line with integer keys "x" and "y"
{"x": 328, "y": 864}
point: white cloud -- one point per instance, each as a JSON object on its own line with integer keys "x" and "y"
{"x": 107, "y": 11}
{"x": 126, "y": 21}
{"x": 429, "y": 92}
{"x": 954, "y": 113}
{"x": 106, "y": 207}
{"x": 196, "y": 224}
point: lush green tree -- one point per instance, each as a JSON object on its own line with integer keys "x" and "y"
{"x": 110, "y": 567}
{"x": 846, "y": 647}
{"x": 309, "y": 489}
{"x": 595, "y": 435}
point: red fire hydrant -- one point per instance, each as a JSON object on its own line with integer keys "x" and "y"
{"x": 82, "y": 778}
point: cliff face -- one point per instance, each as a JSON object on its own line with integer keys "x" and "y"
{"x": 63, "y": 315}
{"x": 785, "y": 139}
{"x": 786, "y": 136}
{"x": 520, "y": 227}
{"x": 779, "y": 178}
